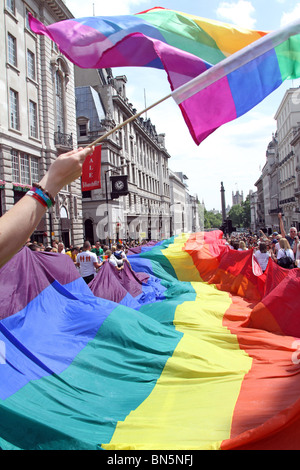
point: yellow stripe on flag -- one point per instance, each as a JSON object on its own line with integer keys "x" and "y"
{"x": 192, "y": 403}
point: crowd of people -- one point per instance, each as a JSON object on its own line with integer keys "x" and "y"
{"x": 89, "y": 258}
{"x": 283, "y": 248}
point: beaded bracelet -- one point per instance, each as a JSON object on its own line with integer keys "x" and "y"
{"x": 44, "y": 196}
{"x": 37, "y": 198}
{"x": 38, "y": 186}
{"x": 41, "y": 195}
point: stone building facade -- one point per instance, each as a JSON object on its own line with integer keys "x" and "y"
{"x": 37, "y": 114}
{"x": 279, "y": 182}
{"x": 288, "y": 118}
{"x": 135, "y": 150}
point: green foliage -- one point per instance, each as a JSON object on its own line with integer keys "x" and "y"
{"x": 212, "y": 220}
{"x": 240, "y": 214}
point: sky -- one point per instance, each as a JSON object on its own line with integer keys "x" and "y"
{"x": 236, "y": 152}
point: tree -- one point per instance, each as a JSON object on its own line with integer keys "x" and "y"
{"x": 212, "y": 219}
{"x": 236, "y": 215}
{"x": 240, "y": 214}
{"x": 246, "y": 213}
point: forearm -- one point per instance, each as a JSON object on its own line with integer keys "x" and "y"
{"x": 17, "y": 225}
{"x": 281, "y": 226}
{"x": 21, "y": 220}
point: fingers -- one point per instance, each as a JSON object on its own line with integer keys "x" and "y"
{"x": 83, "y": 153}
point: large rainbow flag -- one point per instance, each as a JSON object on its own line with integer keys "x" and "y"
{"x": 195, "y": 348}
{"x": 229, "y": 69}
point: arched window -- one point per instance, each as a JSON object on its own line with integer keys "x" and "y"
{"x": 63, "y": 213}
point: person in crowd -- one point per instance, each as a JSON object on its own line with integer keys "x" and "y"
{"x": 242, "y": 246}
{"x": 61, "y": 248}
{"x": 54, "y": 244}
{"x": 33, "y": 247}
{"x": 112, "y": 260}
{"x": 275, "y": 243}
{"x": 285, "y": 251}
{"x": 73, "y": 252}
{"x": 292, "y": 234}
{"x": 118, "y": 252}
{"x": 262, "y": 256}
{"x": 87, "y": 263}
{"x": 20, "y": 221}
{"x": 98, "y": 250}
{"x": 296, "y": 250}
{"x": 116, "y": 256}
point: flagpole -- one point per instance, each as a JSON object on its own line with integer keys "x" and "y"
{"x": 132, "y": 118}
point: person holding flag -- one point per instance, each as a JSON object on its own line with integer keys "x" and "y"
{"x": 20, "y": 221}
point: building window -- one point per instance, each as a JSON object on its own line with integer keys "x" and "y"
{"x": 33, "y": 119}
{"x": 15, "y": 166}
{"x": 27, "y": 25}
{"x": 34, "y": 169}
{"x": 25, "y": 168}
{"x": 25, "y": 171}
{"x": 12, "y": 50}
{"x": 14, "y": 109}
{"x": 54, "y": 46}
{"x": 59, "y": 102}
{"x": 30, "y": 65}
{"x": 82, "y": 130}
{"x": 10, "y": 5}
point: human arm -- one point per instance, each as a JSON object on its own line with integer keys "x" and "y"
{"x": 271, "y": 253}
{"x": 19, "y": 222}
{"x": 263, "y": 234}
{"x": 98, "y": 265}
{"x": 281, "y": 226}
{"x": 295, "y": 246}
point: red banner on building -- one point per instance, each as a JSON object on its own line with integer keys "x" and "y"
{"x": 91, "y": 171}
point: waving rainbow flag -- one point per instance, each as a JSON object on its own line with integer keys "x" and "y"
{"x": 194, "y": 349}
{"x": 218, "y": 71}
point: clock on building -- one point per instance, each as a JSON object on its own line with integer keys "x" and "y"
{"x": 119, "y": 186}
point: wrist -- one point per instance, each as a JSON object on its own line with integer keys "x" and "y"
{"x": 49, "y": 186}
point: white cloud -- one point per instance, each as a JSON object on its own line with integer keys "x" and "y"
{"x": 289, "y": 17}
{"x": 233, "y": 154}
{"x": 239, "y": 13}
{"x": 81, "y": 8}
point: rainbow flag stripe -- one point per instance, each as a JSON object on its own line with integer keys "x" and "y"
{"x": 194, "y": 349}
{"x": 185, "y": 46}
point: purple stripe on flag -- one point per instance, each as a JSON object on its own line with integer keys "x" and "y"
{"x": 39, "y": 270}
{"x": 210, "y": 108}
